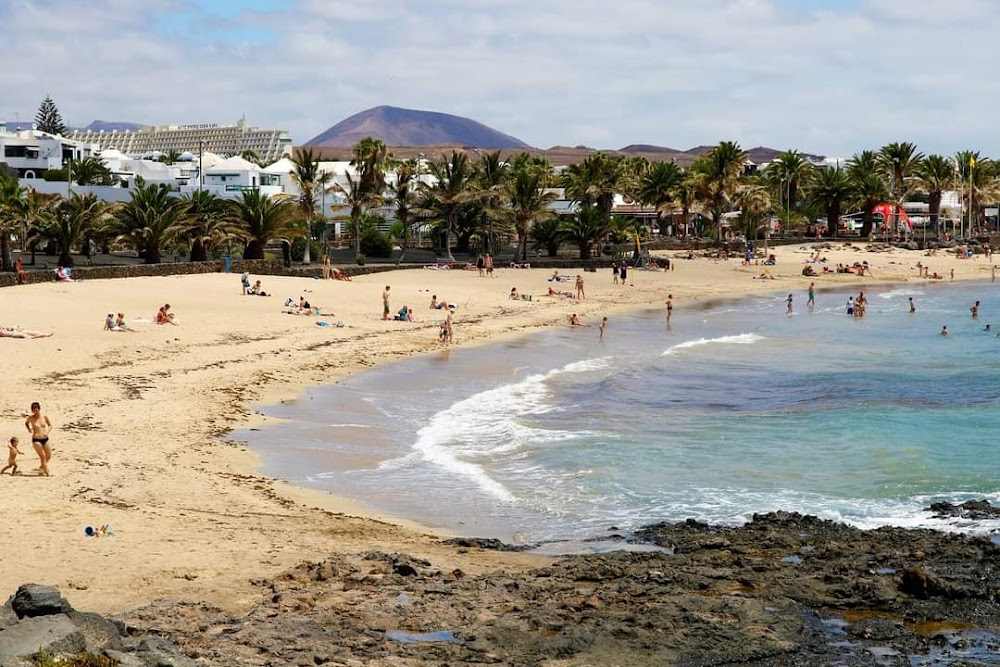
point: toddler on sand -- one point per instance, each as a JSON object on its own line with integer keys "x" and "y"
{"x": 12, "y": 452}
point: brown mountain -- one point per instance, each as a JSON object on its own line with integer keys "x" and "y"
{"x": 409, "y": 127}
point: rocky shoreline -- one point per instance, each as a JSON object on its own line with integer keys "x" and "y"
{"x": 782, "y": 590}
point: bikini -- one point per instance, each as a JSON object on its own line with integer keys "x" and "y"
{"x": 41, "y": 440}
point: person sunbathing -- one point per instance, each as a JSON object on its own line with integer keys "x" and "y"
{"x": 568, "y": 295}
{"x": 517, "y": 296}
{"x": 405, "y": 314}
{"x": 515, "y": 265}
{"x": 10, "y": 332}
{"x": 339, "y": 274}
{"x": 109, "y": 323}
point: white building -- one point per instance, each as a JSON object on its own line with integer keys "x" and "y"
{"x": 233, "y": 176}
{"x": 268, "y": 144}
{"x": 31, "y": 153}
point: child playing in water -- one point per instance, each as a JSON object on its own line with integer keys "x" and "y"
{"x": 12, "y": 452}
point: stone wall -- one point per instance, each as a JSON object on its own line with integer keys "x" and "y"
{"x": 259, "y": 267}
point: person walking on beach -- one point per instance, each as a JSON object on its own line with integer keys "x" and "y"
{"x": 811, "y": 303}
{"x": 788, "y": 301}
{"x": 12, "y": 452}
{"x": 614, "y": 272}
{"x": 975, "y": 310}
{"x": 624, "y": 272}
{"x": 489, "y": 265}
{"x": 913, "y": 306}
{"x": 670, "y": 307}
{"x": 385, "y": 303}
{"x": 481, "y": 265}
{"x": 604, "y": 324}
{"x": 39, "y": 426}
{"x": 580, "y": 294}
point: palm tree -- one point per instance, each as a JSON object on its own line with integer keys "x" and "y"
{"x": 371, "y": 160}
{"x": 171, "y": 156}
{"x": 204, "y": 223}
{"x": 491, "y": 176}
{"x": 547, "y": 233}
{"x": 870, "y": 187}
{"x": 263, "y": 219}
{"x": 404, "y": 199}
{"x": 936, "y": 176}
{"x": 584, "y": 228}
{"x": 788, "y": 172}
{"x": 828, "y": 191}
{"x": 250, "y": 155}
{"x": 717, "y": 176}
{"x": 89, "y": 171}
{"x": 453, "y": 188}
{"x": 527, "y": 202}
{"x": 658, "y": 187}
{"x": 977, "y": 183}
{"x": 69, "y": 223}
{"x": 147, "y": 221}
{"x": 756, "y": 205}
{"x": 13, "y": 199}
{"x": 899, "y": 162}
{"x": 686, "y": 197}
{"x": 308, "y": 178}
{"x": 594, "y": 181}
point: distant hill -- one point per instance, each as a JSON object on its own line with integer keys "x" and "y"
{"x": 108, "y": 126}
{"x": 409, "y": 127}
{"x": 757, "y": 155}
{"x": 647, "y": 148}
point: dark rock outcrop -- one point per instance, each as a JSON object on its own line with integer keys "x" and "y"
{"x": 38, "y": 620}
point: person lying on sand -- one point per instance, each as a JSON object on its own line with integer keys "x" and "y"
{"x": 560, "y": 278}
{"x": 442, "y": 304}
{"x": 9, "y": 332}
{"x": 517, "y": 296}
{"x": 568, "y": 295}
{"x": 515, "y": 265}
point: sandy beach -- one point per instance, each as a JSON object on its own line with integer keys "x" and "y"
{"x": 141, "y": 418}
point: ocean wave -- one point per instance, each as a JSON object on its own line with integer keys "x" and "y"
{"x": 488, "y": 425}
{"x": 738, "y": 339}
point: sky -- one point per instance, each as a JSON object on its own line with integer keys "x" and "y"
{"x": 824, "y": 76}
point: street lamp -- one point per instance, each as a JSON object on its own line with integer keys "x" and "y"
{"x": 201, "y": 169}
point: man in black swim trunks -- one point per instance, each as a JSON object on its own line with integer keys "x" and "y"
{"x": 39, "y": 426}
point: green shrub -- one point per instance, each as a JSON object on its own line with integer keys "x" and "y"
{"x": 375, "y": 244}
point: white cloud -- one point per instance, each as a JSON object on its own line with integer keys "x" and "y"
{"x": 569, "y": 72}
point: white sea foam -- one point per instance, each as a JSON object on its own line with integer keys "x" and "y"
{"x": 894, "y": 293}
{"x": 488, "y": 424}
{"x": 738, "y": 339}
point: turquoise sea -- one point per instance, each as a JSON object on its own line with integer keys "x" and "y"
{"x": 735, "y": 409}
